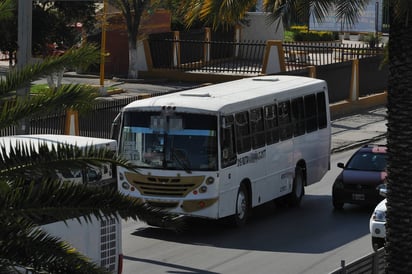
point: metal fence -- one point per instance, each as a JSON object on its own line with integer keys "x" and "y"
{"x": 246, "y": 57}
{"x": 298, "y": 54}
{"x": 373, "y": 263}
{"x": 96, "y": 123}
{"x": 207, "y": 56}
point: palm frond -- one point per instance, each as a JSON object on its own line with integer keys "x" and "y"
{"x": 348, "y": 11}
{"x": 402, "y": 10}
{"x": 230, "y": 12}
{"x": 51, "y": 200}
{"x": 79, "y": 97}
{"x": 75, "y": 57}
{"x": 41, "y": 160}
{"x": 319, "y": 9}
{"x": 190, "y": 10}
{"x": 25, "y": 245}
{"x": 215, "y": 13}
{"x": 279, "y": 9}
{"x": 6, "y": 9}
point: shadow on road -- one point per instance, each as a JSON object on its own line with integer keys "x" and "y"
{"x": 314, "y": 227}
{"x": 179, "y": 269}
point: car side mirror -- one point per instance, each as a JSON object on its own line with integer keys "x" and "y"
{"x": 341, "y": 165}
{"x": 383, "y": 190}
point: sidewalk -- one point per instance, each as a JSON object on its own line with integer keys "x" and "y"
{"x": 358, "y": 129}
{"x": 350, "y": 131}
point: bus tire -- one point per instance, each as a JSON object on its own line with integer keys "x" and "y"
{"x": 242, "y": 207}
{"x": 295, "y": 197}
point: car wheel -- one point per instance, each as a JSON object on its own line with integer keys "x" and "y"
{"x": 295, "y": 197}
{"x": 336, "y": 204}
{"x": 242, "y": 207}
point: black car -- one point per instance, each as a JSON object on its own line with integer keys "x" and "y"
{"x": 359, "y": 181}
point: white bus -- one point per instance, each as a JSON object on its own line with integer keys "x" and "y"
{"x": 99, "y": 240}
{"x": 220, "y": 150}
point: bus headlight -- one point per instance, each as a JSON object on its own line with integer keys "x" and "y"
{"x": 210, "y": 180}
{"x": 125, "y": 185}
{"x": 203, "y": 189}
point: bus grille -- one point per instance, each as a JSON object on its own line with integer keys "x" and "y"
{"x": 162, "y": 186}
{"x": 108, "y": 245}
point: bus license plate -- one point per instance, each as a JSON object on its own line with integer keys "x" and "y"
{"x": 358, "y": 196}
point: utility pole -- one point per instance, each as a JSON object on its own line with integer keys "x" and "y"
{"x": 24, "y": 52}
{"x": 103, "y": 90}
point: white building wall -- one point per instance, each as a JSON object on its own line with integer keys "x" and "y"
{"x": 258, "y": 28}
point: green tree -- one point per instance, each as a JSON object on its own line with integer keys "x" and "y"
{"x": 29, "y": 191}
{"x": 227, "y": 12}
{"x": 132, "y": 11}
{"x": 8, "y": 19}
{"x": 399, "y": 201}
{"x": 55, "y": 22}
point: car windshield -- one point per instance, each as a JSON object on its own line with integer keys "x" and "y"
{"x": 367, "y": 161}
{"x": 185, "y": 141}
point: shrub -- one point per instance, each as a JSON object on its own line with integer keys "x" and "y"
{"x": 301, "y": 33}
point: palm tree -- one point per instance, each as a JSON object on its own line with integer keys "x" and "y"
{"x": 6, "y": 9}
{"x": 29, "y": 191}
{"x": 25, "y": 177}
{"x": 399, "y": 201}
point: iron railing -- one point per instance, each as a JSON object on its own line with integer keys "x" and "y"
{"x": 96, "y": 123}
{"x": 208, "y": 56}
{"x": 298, "y": 54}
{"x": 373, "y": 263}
{"x": 247, "y": 57}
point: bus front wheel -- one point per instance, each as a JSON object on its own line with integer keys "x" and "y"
{"x": 242, "y": 206}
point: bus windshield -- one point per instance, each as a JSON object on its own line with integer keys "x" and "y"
{"x": 182, "y": 141}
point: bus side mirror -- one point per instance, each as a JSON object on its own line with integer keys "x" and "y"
{"x": 114, "y": 131}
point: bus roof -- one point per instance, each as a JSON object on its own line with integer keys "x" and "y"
{"x": 234, "y": 95}
{"x": 52, "y": 139}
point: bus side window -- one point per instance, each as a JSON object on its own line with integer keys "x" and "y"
{"x": 310, "y": 113}
{"x": 298, "y": 117}
{"x": 256, "y": 128}
{"x": 228, "y": 149}
{"x": 242, "y": 130}
{"x": 271, "y": 124}
{"x": 320, "y": 98}
{"x": 285, "y": 121}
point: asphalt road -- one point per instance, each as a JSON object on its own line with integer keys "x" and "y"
{"x": 312, "y": 239}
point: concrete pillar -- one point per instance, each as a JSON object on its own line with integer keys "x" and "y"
{"x": 206, "y": 50}
{"x": 176, "y": 48}
{"x": 354, "y": 82}
{"x": 71, "y": 126}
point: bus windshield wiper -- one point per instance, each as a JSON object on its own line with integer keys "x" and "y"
{"x": 180, "y": 157}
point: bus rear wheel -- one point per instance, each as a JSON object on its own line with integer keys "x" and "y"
{"x": 295, "y": 197}
{"x": 242, "y": 207}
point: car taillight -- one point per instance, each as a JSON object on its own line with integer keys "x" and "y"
{"x": 120, "y": 264}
